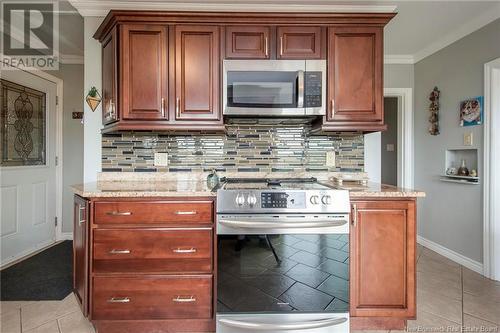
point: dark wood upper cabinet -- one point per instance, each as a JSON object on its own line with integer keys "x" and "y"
{"x": 144, "y": 71}
{"x": 109, "y": 78}
{"x": 80, "y": 251}
{"x": 299, "y": 43}
{"x": 355, "y": 85}
{"x": 248, "y": 42}
{"x": 197, "y": 71}
{"x": 382, "y": 264}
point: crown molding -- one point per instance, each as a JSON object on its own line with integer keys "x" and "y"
{"x": 463, "y": 30}
{"x": 101, "y": 8}
{"x": 398, "y": 59}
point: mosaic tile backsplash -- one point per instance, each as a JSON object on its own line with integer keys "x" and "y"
{"x": 243, "y": 148}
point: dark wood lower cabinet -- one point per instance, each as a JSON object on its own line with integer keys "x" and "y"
{"x": 146, "y": 265}
{"x": 382, "y": 266}
{"x": 80, "y": 251}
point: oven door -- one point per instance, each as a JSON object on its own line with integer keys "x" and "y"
{"x": 264, "y": 87}
{"x": 287, "y": 277}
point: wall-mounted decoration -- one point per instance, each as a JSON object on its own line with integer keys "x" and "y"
{"x": 93, "y": 98}
{"x": 434, "y": 111}
{"x": 471, "y": 111}
{"x": 461, "y": 166}
{"x": 77, "y": 115}
{"x": 23, "y": 120}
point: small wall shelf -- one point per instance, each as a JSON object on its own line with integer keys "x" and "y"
{"x": 453, "y": 159}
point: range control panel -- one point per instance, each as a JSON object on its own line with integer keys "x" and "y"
{"x": 282, "y": 200}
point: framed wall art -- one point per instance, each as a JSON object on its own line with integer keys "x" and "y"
{"x": 471, "y": 111}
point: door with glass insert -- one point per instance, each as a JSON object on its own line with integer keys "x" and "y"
{"x": 27, "y": 165}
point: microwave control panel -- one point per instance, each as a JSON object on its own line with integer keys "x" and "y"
{"x": 312, "y": 87}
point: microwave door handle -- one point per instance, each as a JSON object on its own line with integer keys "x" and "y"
{"x": 300, "y": 89}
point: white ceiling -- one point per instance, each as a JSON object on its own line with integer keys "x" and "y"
{"x": 420, "y": 28}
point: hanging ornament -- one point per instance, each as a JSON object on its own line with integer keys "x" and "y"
{"x": 93, "y": 98}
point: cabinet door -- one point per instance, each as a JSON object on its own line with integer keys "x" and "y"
{"x": 299, "y": 42}
{"x": 197, "y": 73}
{"x": 109, "y": 78}
{"x": 80, "y": 251}
{"x": 383, "y": 259}
{"x": 247, "y": 42}
{"x": 355, "y": 66}
{"x": 144, "y": 67}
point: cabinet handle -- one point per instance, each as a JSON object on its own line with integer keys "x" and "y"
{"x": 191, "y": 212}
{"x": 281, "y": 45}
{"x": 177, "y": 107}
{"x": 178, "y": 250}
{"x": 163, "y": 107}
{"x": 115, "y": 251}
{"x": 355, "y": 217}
{"x": 333, "y": 107}
{"x": 119, "y": 213}
{"x": 80, "y": 219}
{"x": 119, "y": 300}
{"x": 184, "y": 299}
{"x": 266, "y": 46}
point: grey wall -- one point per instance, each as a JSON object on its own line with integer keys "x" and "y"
{"x": 395, "y": 76}
{"x": 451, "y": 214}
{"x": 71, "y": 42}
{"x": 389, "y": 159}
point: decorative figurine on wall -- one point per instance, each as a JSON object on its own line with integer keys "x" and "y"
{"x": 434, "y": 111}
{"x": 93, "y": 98}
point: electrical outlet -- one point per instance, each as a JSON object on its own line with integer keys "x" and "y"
{"x": 161, "y": 159}
{"x": 468, "y": 139}
{"x": 330, "y": 158}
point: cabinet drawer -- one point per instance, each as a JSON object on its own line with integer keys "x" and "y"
{"x": 152, "y": 250}
{"x": 153, "y": 212}
{"x": 152, "y": 297}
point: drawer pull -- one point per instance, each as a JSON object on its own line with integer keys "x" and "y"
{"x": 191, "y": 250}
{"x": 115, "y": 251}
{"x": 119, "y": 300}
{"x": 184, "y": 299}
{"x": 119, "y": 213}
{"x": 190, "y": 212}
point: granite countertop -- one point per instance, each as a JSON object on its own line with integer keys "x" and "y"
{"x": 170, "y": 188}
{"x": 113, "y": 185}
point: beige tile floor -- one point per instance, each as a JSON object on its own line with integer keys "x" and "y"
{"x": 450, "y": 298}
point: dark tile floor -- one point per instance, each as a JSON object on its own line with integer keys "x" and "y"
{"x": 312, "y": 276}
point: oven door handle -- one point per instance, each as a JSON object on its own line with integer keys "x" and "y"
{"x": 255, "y": 326}
{"x": 270, "y": 224}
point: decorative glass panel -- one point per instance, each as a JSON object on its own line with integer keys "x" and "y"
{"x": 22, "y": 125}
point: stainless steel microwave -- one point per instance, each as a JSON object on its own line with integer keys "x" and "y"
{"x": 291, "y": 88}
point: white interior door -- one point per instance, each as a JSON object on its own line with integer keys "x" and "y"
{"x": 27, "y": 165}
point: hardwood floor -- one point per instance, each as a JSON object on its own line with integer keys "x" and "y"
{"x": 448, "y": 296}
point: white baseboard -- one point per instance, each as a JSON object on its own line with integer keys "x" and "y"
{"x": 27, "y": 253}
{"x": 66, "y": 236}
{"x": 452, "y": 255}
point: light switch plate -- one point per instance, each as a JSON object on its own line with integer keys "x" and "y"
{"x": 330, "y": 158}
{"x": 468, "y": 139}
{"x": 161, "y": 159}
{"x": 390, "y": 147}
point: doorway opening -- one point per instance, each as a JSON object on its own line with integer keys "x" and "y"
{"x": 389, "y": 143}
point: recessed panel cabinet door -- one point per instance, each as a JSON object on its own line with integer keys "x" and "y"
{"x": 144, "y": 67}
{"x": 383, "y": 259}
{"x": 197, "y": 73}
{"x": 80, "y": 251}
{"x": 247, "y": 42}
{"x": 355, "y": 65}
{"x": 299, "y": 42}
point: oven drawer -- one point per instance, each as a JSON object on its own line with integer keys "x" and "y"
{"x": 152, "y": 250}
{"x": 153, "y": 212}
{"x": 152, "y": 297}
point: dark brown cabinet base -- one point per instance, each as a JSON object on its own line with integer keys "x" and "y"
{"x": 146, "y": 265}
